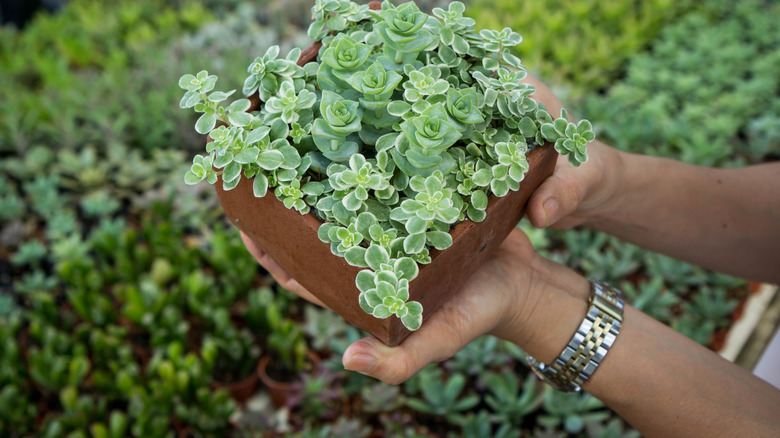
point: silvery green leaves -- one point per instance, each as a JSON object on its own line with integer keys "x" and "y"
{"x": 196, "y": 86}
{"x": 428, "y": 135}
{"x": 334, "y": 15}
{"x": 201, "y": 169}
{"x": 352, "y": 185}
{"x": 293, "y": 195}
{"x": 405, "y": 125}
{"x": 402, "y": 31}
{"x": 290, "y": 104}
{"x": 497, "y": 44}
{"x": 267, "y": 73}
{"x": 340, "y": 118}
{"x": 496, "y": 41}
{"x": 511, "y": 167}
{"x": 473, "y": 177}
{"x": 423, "y": 82}
{"x": 386, "y": 292}
{"x": 507, "y": 94}
{"x": 197, "y": 96}
{"x": 433, "y": 203}
{"x": 454, "y": 26}
{"x": 260, "y": 153}
{"x": 570, "y": 139}
{"x": 340, "y": 61}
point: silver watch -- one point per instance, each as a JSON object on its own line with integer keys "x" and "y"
{"x": 587, "y": 348}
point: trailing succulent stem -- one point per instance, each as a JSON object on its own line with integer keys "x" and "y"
{"x": 403, "y": 127}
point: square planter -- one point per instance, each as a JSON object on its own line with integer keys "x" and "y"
{"x": 291, "y": 240}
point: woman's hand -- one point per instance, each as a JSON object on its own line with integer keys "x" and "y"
{"x": 516, "y": 295}
{"x": 573, "y": 196}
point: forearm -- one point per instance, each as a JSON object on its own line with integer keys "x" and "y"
{"x": 727, "y": 220}
{"x": 667, "y": 385}
{"x": 661, "y": 382}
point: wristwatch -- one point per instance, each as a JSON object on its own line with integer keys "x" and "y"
{"x": 587, "y": 348}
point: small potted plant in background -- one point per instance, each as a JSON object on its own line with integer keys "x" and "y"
{"x": 286, "y": 357}
{"x": 400, "y": 149}
{"x": 232, "y": 355}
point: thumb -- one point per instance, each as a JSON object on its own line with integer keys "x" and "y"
{"x": 557, "y": 198}
{"x": 392, "y": 365}
{"x": 444, "y": 334}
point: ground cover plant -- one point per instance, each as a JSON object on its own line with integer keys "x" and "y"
{"x": 726, "y": 114}
{"x": 593, "y": 39}
{"x": 98, "y": 237}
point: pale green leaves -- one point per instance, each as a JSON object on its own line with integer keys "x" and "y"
{"x": 386, "y": 292}
{"x": 344, "y": 53}
{"x": 289, "y": 103}
{"x": 423, "y": 82}
{"x": 402, "y": 32}
{"x": 570, "y": 139}
{"x": 453, "y": 18}
{"x": 267, "y": 73}
{"x": 334, "y": 15}
{"x": 496, "y": 41}
{"x": 200, "y": 83}
{"x": 209, "y": 104}
{"x": 406, "y": 125}
{"x": 340, "y": 118}
{"x": 454, "y": 27}
{"x": 434, "y": 201}
{"x": 429, "y": 134}
{"x": 352, "y": 184}
{"x": 201, "y": 169}
{"x": 512, "y": 155}
{"x": 292, "y": 194}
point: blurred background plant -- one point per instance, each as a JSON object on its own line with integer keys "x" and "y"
{"x": 124, "y": 294}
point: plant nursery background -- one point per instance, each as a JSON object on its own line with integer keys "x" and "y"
{"x": 125, "y": 296}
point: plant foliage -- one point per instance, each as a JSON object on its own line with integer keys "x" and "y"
{"x": 405, "y": 125}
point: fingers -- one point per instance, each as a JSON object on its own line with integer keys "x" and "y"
{"x": 573, "y": 196}
{"x": 481, "y": 307}
{"x": 280, "y": 275}
{"x": 395, "y": 365}
{"x": 557, "y": 197}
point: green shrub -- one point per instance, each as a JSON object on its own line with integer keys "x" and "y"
{"x": 582, "y": 44}
{"x": 706, "y": 92}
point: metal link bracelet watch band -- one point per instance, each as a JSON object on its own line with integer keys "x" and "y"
{"x": 587, "y": 348}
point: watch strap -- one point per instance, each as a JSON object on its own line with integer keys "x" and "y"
{"x": 589, "y": 345}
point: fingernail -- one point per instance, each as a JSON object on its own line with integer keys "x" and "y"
{"x": 361, "y": 362}
{"x": 550, "y": 207}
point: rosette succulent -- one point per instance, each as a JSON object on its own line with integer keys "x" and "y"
{"x": 406, "y": 124}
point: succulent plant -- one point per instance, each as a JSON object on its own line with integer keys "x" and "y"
{"x": 411, "y": 118}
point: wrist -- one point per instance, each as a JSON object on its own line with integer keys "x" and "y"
{"x": 549, "y": 309}
{"x": 607, "y": 183}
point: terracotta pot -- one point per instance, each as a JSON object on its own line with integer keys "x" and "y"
{"x": 280, "y": 392}
{"x": 291, "y": 240}
{"x": 239, "y": 391}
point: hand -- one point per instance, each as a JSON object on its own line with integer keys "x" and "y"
{"x": 573, "y": 196}
{"x": 516, "y": 295}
